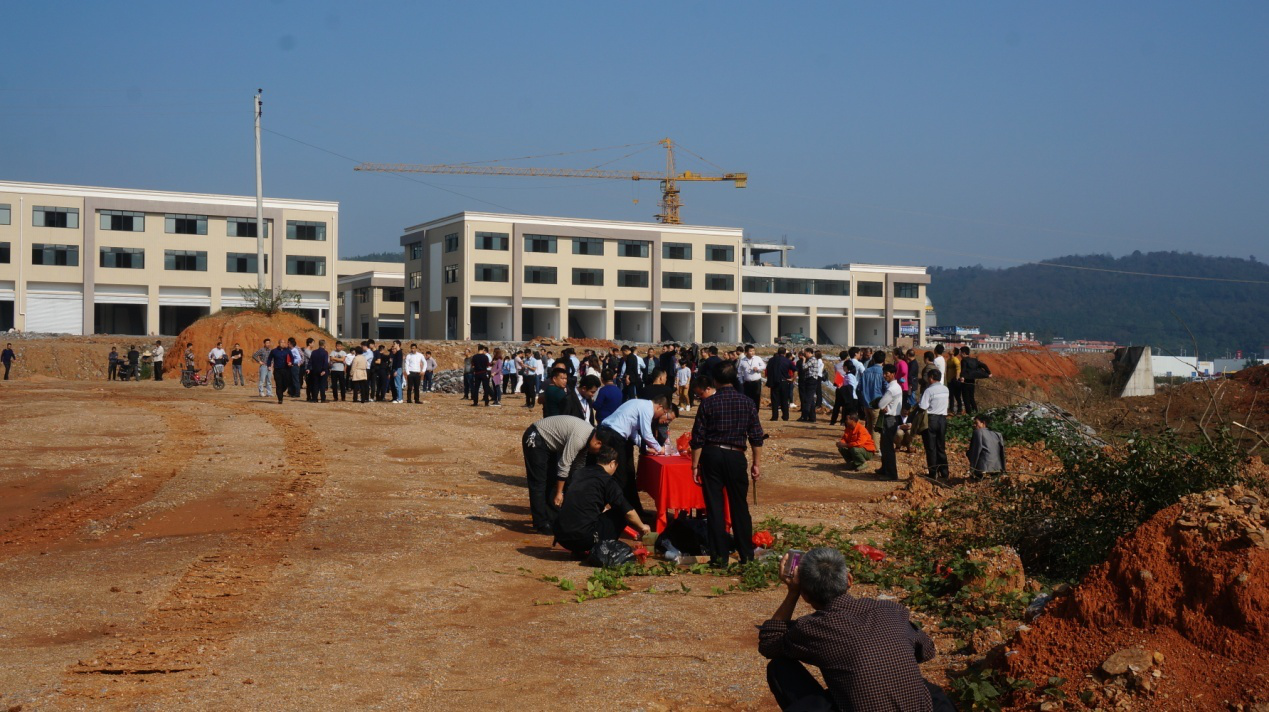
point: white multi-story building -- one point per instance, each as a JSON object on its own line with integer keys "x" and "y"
{"x": 77, "y": 259}
{"x": 511, "y": 277}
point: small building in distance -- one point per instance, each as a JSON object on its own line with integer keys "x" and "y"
{"x": 82, "y": 259}
{"x": 371, "y": 303}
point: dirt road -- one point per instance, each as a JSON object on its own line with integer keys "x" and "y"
{"x": 163, "y": 548}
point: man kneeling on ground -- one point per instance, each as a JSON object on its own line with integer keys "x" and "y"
{"x": 595, "y": 510}
{"x": 867, "y": 650}
{"x": 856, "y": 445}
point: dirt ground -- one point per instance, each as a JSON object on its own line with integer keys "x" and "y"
{"x": 166, "y": 548}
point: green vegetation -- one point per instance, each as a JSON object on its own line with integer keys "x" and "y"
{"x": 1031, "y": 429}
{"x": 269, "y": 300}
{"x": 1128, "y": 309}
{"x": 398, "y": 256}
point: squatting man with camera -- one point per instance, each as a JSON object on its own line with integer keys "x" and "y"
{"x": 867, "y": 650}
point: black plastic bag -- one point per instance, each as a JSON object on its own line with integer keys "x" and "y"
{"x": 609, "y": 553}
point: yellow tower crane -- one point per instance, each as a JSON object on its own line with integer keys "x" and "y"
{"x": 670, "y": 203}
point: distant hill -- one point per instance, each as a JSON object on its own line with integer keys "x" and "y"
{"x": 378, "y": 257}
{"x": 1128, "y": 309}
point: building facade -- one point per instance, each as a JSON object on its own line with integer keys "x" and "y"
{"x": 492, "y": 276}
{"x": 83, "y": 260}
{"x": 371, "y": 302}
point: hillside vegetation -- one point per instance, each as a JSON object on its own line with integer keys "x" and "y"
{"x": 1127, "y": 309}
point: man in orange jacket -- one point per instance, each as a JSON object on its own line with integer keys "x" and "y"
{"x": 856, "y": 445}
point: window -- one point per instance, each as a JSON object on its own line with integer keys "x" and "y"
{"x": 539, "y": 243}
{"x": 123, "y": 257}
{"x": 792, "y": 286}
{"x": 720, "y": 253}
{"x": 588, "y": 246}
{"x": 244, "y": 227}
{"x": 720, "y": 282}
{"x": 4, "y": 253}
{"x": 6, "y": 214}
{"x": 61, "y": 255}
{"x": 305, "y": 230}
{"x": 451, "y": 242}
{"x": 676, "y": 280}
{"x": 588, "y": 277}
{"x": 362, "y": 294}
{"x": 870, "y": 289}
{"x": 451, "y": 274}
{"x": 632, "y": 248}
{"x": 486, "y": 273}
{"x": 539, "y": 275}
{"x": 907, "y": 290}
{"x": 185, "y": 224}
{"x": 676, "y": 250}
{"x": 185, "y": 260}
{"x": 244, "y": 262}
{"x": 492, "y": 241}
{"x": 757, "y": 285}
{"x": 416, "y": 280}
{"x": 44, "y": 216}
{"x": 308, "y": 266}
{"x": 632, "y": 278}
{"x": 416, "y": 250}
{"x": 393, "y": 294}
{"x": 832, "y": 288}
{"x": 121, "y": 220}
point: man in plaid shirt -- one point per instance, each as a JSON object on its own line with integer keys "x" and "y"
{"x": 867, "y": 650}
{"x": 725, "y": 423}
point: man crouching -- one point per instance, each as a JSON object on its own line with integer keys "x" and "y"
{"x": 867, "y": 650}
{"x": 594, "y": 508}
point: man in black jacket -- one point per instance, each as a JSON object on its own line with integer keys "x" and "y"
{"x": 971, "y": 370}
{"x": 778, "y": 369}
{"x": 579, "y": 400}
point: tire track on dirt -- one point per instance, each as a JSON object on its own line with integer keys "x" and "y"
{"x": 61, "y": 521}
{"x": 205, "y": 609}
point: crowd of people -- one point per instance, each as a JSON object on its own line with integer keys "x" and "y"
{"x": 372, "y": 371}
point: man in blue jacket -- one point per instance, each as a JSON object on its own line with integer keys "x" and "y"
{"x": 279, "y": 362}
{"x": 318, "y": 371}
{"x": 871, "y": 387}
{"x": 779, "y": 370}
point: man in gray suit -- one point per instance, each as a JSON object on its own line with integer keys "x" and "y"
{"x": 986, "y": 449}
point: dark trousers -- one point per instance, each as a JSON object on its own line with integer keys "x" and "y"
{"x": 796, "y": 690}
{"x": 806, "y": 394}
{"x": 779, "y": 401}
{"x": 935, "y": 440}
{"x": 111, "y": 371}
{"x": 361, "y": 389}
{"x": 539, "y": 468}
{"x": 531, "y": 390}
{"x": 427, "y": 381}
{"x": 967, "y": 396}
{"x": 385, "y": 384}
{"x": 626, "y": 473}
{"x": 753, "y": 389}
{"x": 320, "y": 382}
{"x": 158, "y": 370}
{"x": 281, "y": 376}
{"x": 468, "y": 382}
{"x": 412, "y": 383}
{"x": 725, "y": 480}
{"x": 610, "y": 525}
{"x": 954, "y": 402}
{"x": 310, "y": 387}
{"x": 338, "y": 385}
{"x": 296, "y": 378}
{"x": 889, "y": 430}
{"x": 843, "y": 403}
{"x": 630, "y": 392}
{"x": 480, "y": 381}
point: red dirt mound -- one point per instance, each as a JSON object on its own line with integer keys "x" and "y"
{"x": 1192, "y": 584}
{"x": 1038, "y": 367}
{"x": 248, "y": 328}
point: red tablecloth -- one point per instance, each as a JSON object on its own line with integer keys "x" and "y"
{"x": 669, "y": 480}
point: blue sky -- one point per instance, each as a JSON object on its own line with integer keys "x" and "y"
{"x": 915, "y": 133}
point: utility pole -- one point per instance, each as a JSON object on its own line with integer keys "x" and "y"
{"x": 259, "y": 200}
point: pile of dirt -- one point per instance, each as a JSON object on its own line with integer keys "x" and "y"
{"x": 247, "y": 328}
{"x": 42, "y": 358}
{"x": 1191, "y": 586}
{"x": 1243, "y": 397}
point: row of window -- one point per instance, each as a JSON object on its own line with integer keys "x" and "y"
{"x": 173, "y": 223}
{"x": 387, "y": 294}
{"x": 591, "y": 246}
{"x": 827, "y": 287}
{"x": 178, "y": 260}
{"x": 593, "y": 277}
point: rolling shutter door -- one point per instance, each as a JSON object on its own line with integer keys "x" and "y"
{"x": 55, "y": 312}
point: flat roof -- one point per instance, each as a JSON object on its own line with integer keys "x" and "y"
{"x": 577, "y": 223}
{"x": 81, "y": 191}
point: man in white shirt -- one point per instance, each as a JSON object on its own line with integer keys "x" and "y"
{"x": 217, "y": 358}
{"x": 940, "y": 363}
{"x": 338, "y": 373}
{"x": 158, "y": 360}
{"x": 749, "y": 369}
{"x": 888, "y": 422}
{"x": 934, "y": 402}
{"x": 634, "y": 423}
{"x": 415, "y": 366}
